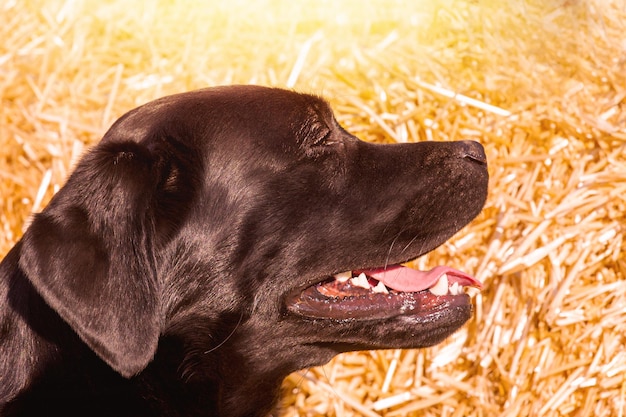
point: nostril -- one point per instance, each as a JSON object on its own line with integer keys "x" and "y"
{"x": 473, "y": 151}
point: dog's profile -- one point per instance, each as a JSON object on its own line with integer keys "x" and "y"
{"x": 214, "y": 242}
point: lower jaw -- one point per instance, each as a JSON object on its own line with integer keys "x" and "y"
{"x": 412, "y": 305}
{"x": 399, "y": 332}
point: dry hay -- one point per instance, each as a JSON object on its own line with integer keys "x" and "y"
{"x": 540, "y": 84}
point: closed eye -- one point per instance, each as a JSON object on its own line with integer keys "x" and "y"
{"x": 315, "y": 132}
{"x": 321, "y": 143}
{"x": 322, "y": 137}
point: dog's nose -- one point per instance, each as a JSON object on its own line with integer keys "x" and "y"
{"x": 473, "y": 151}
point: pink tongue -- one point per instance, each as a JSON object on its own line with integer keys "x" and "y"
{"x": 402, "y": 278}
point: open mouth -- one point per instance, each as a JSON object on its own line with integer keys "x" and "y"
{"x": 384, "y": 293}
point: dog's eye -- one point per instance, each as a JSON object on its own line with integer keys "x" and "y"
{"x": 323, "y": 138}
{"x": 318, "y": 140}
{"x": 318, "y": 133}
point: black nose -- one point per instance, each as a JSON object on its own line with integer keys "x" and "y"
{"x": 473, "y": 151}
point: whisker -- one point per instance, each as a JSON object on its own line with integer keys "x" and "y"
{"x": 393, "y": 242}
{"x": 409, "y": 244}
{"x": 227, "y": 337}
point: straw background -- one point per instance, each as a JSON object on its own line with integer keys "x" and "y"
{"x": 542, "y": 84}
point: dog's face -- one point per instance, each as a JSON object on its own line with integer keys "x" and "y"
{"x": 237, "y": 221}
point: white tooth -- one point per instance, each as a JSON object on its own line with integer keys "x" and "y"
{"x": 441, "y": 287}
{"x": 471, "y": 291}
{"x": 455, "y": 288}
{"x": 380, "y": 288}
{"x": 361, "y": 281}
{"x": 343, "y": 276}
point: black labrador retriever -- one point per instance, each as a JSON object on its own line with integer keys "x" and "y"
{"x": 198, "y": 255}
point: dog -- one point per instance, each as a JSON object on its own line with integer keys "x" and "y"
{"x": 215, "y": 241}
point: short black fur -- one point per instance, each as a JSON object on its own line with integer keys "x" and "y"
{"x": 154, "y": 283}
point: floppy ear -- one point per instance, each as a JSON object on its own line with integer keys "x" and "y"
{"x": 90, "y": 254}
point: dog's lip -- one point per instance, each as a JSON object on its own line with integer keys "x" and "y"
{"x": 383, "y": 293}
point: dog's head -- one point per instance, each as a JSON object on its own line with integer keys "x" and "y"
{"x": 236, "y": 219}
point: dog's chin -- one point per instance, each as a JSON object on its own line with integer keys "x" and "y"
{"x": 402, "y": 332}
{"x": 422, "y": 307}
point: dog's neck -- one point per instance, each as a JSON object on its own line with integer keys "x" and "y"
{"x": 220, "y": 381}
{"x": 197, "y": 381}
